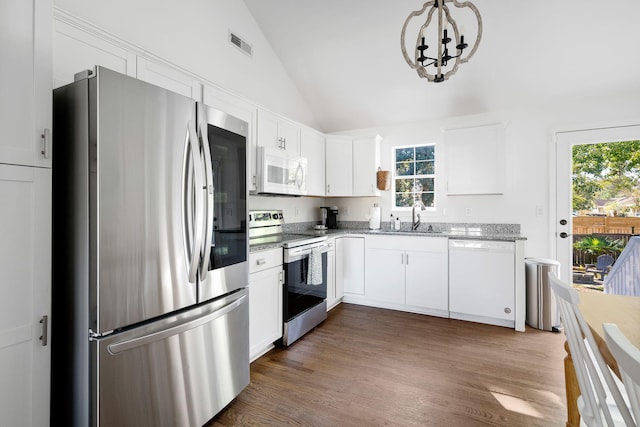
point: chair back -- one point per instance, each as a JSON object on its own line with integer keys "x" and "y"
{"x": 628, "y": 357}
{"x": 594, "y": 377}
{"x": 604, "y": 261}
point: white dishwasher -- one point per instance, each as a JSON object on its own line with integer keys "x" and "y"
{"x": 482, "y": 281}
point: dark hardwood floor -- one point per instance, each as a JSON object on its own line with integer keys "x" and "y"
{"x": 369, "y": 366}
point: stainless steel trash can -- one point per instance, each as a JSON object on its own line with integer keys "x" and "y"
{"x": 542, "y": 312}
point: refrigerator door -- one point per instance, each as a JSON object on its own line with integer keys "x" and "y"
{"x": 146, "y": 187}
{"x": 177, "y": 372}
{"x": 226, "y": 246}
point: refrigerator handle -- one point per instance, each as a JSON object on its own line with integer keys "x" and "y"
{"x": 122, "y": 346}
{"x": 208, "y": 208}
{"x": 192, "y": 197}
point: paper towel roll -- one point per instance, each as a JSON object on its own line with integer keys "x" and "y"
{"x": 374, "y": 220}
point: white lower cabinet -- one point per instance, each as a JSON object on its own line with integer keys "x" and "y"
{"x": 334, "y": 287}
{"x": 266, "y": 280}
{"x": 25, "y": 295}
{"x": 384, "y": 275}
{"x": 407, "y": 273}
{"x": 426, "y": 277}
{"x": 350, "y": 265}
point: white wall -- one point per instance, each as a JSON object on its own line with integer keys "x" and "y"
{"x": 193, "y": 34}
{"x": 529, "y": 166}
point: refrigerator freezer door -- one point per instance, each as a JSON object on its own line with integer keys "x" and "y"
{"x": 146, "y": 180}
{"x": 177, "y": 372}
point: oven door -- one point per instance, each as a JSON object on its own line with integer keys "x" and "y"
{"x": 281, "y": 174}
{"x": 299, "y": 296}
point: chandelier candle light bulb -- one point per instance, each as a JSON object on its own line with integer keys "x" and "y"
{"x": 443, "y": 69}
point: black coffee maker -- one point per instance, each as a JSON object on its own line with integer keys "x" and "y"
{"x": 329, "y": 216}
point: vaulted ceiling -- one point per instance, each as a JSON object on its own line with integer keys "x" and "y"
{"x": 345, "y": 57}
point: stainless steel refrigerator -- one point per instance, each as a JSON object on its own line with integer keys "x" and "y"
{"x": 150, "y": 323}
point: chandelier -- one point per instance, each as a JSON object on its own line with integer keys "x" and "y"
{"x": 436, "y": 62}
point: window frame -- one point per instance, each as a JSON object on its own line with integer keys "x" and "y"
{"x": 414, "y": 176}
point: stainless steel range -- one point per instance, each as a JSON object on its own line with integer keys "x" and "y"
{"x": 305, "y": 265}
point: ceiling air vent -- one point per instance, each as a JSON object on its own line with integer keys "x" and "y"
{"x": 237, "y": 41}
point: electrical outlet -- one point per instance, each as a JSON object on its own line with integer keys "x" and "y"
{"x": 296, "y": 212}
{"x": 539, "y": 210}
{"x": 348, "y": 210}
{"x": 467, "y": 211}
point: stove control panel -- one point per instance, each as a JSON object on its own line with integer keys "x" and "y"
{"x": 265, "y": 218}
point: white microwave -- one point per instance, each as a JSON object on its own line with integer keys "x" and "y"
{"x": 281, "y": 173}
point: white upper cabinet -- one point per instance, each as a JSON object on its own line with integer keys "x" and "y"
{"x": 244, "y": 110}
{"x": 169, "y": 78}
{"x": 339, "y": 166}
{"x": 25, "y": 82}
{"x": 76, "y": 49}
{"x": 277, "y": 132}
{"x": 475, "y": 160}
{"x": 366, "y": 159}
{"x": 312, "y": 148}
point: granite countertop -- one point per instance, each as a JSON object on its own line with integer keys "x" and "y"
{"x": 495, "y": 232}
{"x": 452, "y": 234}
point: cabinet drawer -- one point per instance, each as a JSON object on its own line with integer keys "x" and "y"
{"x": 263, "y": 260}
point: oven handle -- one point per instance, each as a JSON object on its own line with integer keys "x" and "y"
{"x": 302, "y": 252}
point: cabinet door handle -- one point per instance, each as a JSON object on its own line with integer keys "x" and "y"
{"x": 261, "y": 261}
{"x": 407, "y": 259}
{"x": 46, "y": 143}
{"x": 401, "y": 258}
{"x": 44, "y": 321}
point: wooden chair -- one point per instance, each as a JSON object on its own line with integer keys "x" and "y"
{"x": 603, "y": 265}
{"x": 628, "y": 357}
{"x": 601, "y": 403}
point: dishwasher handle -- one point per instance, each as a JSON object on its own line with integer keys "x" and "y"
{"x": 481, "y": 245}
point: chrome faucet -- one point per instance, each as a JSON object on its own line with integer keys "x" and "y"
{"x": 415, "y": 216}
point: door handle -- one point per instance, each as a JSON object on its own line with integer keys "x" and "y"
{"x": 564, "y": 235}
{"x": 208, "y": 208}
{"x": 192, "y": 198}
{"x": 121, "y": 346}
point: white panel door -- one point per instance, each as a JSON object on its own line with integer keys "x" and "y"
{"x": 168, "y": 78}
{"x": 25, "y": 81}
{"x": 339, "y": 166}
{"x": 25, "y": 294}
{"x": 265, "y": 309}
{"x": 312, "y": 148}
{"x": 427, "y": 282}
{"x": 366, "y": 159}
{"x": 75, "y": 50}
{"x": 350, "y": 265}
{"x": 385, "y": 275}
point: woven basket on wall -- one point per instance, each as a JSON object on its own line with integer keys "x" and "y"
{"x": 384, "y": 179}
